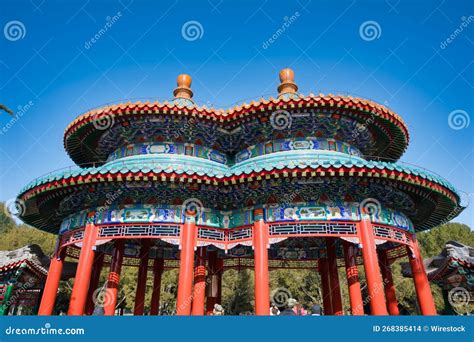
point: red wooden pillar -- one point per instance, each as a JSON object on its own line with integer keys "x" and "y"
{"x": 94, "y": 284}
{"x": 52, "y": 283}
{"x": 371, "y": 265}
{"x": 158, "y": 267}
{"x": 186, "y": 265}
{"x": 260, "y": 244}
{"x": 113, "y": 279}
{"x": 84, "y": 269}
{"x": 389, "y": 287}
{"x": 323, "y": 272}
{"x": 334, "y": 277}
{"x": 355, "y": 294}
{"x": 220, "y": 271}
{"x": 199, "y": 294}
{"x": 212, "y": 262}
{"x": 422, "y": 286}
{"x": 141, "y": 279}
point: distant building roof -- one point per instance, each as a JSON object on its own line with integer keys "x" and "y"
{"x": 454, "y": 265}
{"x": 32, "y": 257}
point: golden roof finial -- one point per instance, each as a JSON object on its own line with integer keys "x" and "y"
{"x": 183, "y": 90}
{"x": 287, "y": 84}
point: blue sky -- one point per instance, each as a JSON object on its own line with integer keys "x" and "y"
{"x": 52, "y": 72}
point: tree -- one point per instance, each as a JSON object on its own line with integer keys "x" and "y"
{"x": 237, "y": 292}
{"x": 15, "y": 236}
{"x": 6, "y": 109}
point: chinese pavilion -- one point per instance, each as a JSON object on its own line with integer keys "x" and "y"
{"x": 293, "y": 181}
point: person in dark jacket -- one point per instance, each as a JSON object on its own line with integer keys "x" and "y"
{"x": 288, "y": 311}
{"x": 316, "y": 310}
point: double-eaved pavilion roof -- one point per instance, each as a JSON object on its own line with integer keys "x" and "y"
{"x": 81, "y": 136}
{"x": 371, "y": 128}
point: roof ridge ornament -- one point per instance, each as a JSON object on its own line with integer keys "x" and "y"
{"x": 287, "y": 87}
{"x": 183, "y": 91}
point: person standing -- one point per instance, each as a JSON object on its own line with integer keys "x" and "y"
{"x": 288, "y": 311}
{"x": 316, "y": 310}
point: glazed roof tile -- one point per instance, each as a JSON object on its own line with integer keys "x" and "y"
{"x": 129, "y": 107}
{"x": 202, "y": 167}
{"x": 280, "y": 164}
{"x": 232, "y": 116}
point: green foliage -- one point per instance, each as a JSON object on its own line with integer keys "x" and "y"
{"x": 303, "y": 285}
{"x": 15, "y": 236}
{"x": 433, "y": 241}
{"x": 6, "y": 222}
{"x": 237, "y": 292}
{"x": 23, "y": 235}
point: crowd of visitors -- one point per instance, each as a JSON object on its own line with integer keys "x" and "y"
{"x": 291, "y": 308}
{"x": 294, "y": 308}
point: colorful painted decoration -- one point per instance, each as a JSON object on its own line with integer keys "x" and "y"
{"x": 167, "y": 148}
{"x": 296, "y": 144}
{"x": 236, "y": 218}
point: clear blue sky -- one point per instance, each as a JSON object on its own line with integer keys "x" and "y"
{"x": 407, "y": 65}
